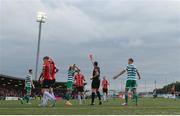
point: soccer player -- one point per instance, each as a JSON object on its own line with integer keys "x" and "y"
{"x": 79, "y": 83}
{"x": 53, "y": 71}
{"x": 70, "y": 81}
{"x": 28, "y": 86}
{"x": 131, "y": 80}
{"x": 46, "y": 84}
{"x": 95, "y": 82}
{"x": 105, "y": 85}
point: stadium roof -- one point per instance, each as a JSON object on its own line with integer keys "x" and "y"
{"x": 10, "y": 77}
{"x": 17, "y": 81}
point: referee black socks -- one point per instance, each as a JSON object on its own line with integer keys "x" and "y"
{"x": 92, "y": 96}
{"x": 99, "y": 96}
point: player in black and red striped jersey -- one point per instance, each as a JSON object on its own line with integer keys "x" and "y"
{"x": 79, "y": 83}
{"x": 105, "y": 85}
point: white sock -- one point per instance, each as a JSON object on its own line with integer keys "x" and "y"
{"x": 104, "y": 96}
{"x": 49, "y": 95}
{"x": 53, "y": 94}
{"x": 84, "y": 98}
{"x": 44, "y": 100}
{"x": 79, "y": 97}
{"x": 47, "y": 99}
{"x": 174, "y": 96}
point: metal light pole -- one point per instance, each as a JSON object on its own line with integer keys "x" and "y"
{"x": 145, "y": 87}
{"x": 41, "y": 17}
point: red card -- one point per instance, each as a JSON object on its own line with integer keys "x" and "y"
{"x": 91, "y": 56}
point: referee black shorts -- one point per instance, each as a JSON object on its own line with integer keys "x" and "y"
{"x": 95, "y": 84}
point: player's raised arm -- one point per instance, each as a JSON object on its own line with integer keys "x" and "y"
{"x": 91, "y": 59}
{"x": 122, "y": 72}
{"x": 138, "y": 75}
{"x": 76, "y": 68}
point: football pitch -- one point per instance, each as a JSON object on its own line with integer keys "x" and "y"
{"x": 146, "y": 106}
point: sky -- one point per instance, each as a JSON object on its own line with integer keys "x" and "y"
{"x": 111, "y": 30}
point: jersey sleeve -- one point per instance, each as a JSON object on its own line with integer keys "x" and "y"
{"x": 126, "y": 68}
{"x": 30, "y": 78}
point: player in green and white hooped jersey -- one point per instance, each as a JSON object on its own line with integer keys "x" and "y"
{"x": 70, "y": 82}
{"x": 28, "y": 87}
{"x": 131, "y": 80}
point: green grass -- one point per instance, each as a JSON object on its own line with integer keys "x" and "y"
{"x": 113, "y": 107}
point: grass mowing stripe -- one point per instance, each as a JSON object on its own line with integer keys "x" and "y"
{"x": 113, "y": 107}
{"x": 94, "y": 108}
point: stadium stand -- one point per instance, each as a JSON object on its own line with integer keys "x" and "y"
{"x": 14, "y": 87}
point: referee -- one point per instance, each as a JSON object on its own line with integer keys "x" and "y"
{"x": 95, "y": 83}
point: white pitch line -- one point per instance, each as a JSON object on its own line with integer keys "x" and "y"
{"x": 91, "y": 107}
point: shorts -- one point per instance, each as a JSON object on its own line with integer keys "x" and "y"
{"x": 28, "y": 90}
{"x": 53, "y": 83}
{"x": 70, "y": 85}
{"x": 95, "y": 84}
{"x": 80, "y": 89}
{"x": 131, "y": 84}
{"x": 46, "y": 84}
{"x": 105, "y": 90}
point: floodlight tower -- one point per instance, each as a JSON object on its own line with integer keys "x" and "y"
{"x": 41, "y": 18}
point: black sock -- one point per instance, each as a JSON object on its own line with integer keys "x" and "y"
{"x": 99, "y": 96}
{"x": 92, "y": 96}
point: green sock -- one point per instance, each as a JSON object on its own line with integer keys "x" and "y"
{"x": 67, "y": 96}
{"x": 28, "y": 98}
{"x": 25, "y": 97}
{"x": 126, "y": 98}
{"x": 136, "y": 97}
